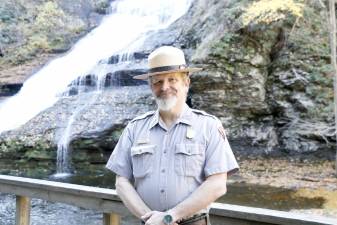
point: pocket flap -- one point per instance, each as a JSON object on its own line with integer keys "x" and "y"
{"x": 189, "y": 149}
{"x": 138, "y": 150}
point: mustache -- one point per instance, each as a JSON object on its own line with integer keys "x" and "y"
{"x": 165, "y": 93}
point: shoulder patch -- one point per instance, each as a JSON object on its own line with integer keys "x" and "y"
{"x": 145, "y": 115}
{"x": 200, "y": 112}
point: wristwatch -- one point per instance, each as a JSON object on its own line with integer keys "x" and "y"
{"x": 167, "y": 220}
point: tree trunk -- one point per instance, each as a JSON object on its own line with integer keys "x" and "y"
{"x": 333, "y": 61}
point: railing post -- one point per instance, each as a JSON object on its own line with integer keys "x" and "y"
{"x": 22, "y": 210}
{"x": 111, "y": 219}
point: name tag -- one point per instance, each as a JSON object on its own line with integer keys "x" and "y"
{"x": 142, "y": 141}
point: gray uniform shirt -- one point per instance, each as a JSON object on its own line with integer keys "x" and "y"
{"x": 167, "y": 165}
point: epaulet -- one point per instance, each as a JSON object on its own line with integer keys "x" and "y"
{"x": 150, "y": 113}
{"x": 200, "y": 112}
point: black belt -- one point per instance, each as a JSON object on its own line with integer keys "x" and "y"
{"x": 191, "y": 219}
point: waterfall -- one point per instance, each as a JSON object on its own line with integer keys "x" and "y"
{"x": 84, "y": 101}
{"x": 118, "y": 32}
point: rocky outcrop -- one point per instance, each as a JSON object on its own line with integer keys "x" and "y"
{"x": 91, "y": 121}
{"x": 269, "y": 84}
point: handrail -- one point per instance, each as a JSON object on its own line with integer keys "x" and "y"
{"x": 107, "y": 201}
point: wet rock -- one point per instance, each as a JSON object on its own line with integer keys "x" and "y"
{"x": 9, "y": 89}
{"x": 118, "y": 78}
{"x": 96, "y": 121}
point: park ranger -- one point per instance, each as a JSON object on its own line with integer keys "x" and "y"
{"x": 173, "y": 162}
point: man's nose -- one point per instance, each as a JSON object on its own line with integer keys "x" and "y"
{"x": 165, "y": 86}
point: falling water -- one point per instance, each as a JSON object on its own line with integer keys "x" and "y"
{"x": 63, "y": 161}
{"x": 127, "y": 23}
{"x": 121, "y": 32}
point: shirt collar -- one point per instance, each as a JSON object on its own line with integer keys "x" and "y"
{"x": 185, "y": 117}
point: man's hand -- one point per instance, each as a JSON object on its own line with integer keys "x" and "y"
{"x": 130, "y": 197}
{"x": 154, "y": 218}
{"x": 212, "y": 188}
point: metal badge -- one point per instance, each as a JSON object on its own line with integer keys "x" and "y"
{"x": 190, "y": 133}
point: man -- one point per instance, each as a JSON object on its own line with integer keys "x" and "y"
{"x": 173, "y": 162}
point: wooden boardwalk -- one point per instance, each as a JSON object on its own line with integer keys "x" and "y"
{"x": 106, "y": 201}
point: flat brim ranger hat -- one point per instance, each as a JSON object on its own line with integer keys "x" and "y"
{"x": 166, "y": 59}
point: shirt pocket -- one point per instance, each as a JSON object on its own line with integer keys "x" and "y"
{"x": 142, "y": 160}
{"x": 189, "y": 159}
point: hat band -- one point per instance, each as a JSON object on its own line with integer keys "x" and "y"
{"x": 167, "y": 68}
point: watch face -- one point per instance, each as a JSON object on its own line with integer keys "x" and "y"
{"x": 167, "y": 219}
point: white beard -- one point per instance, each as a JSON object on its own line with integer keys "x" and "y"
{"x": 166, "y": 104}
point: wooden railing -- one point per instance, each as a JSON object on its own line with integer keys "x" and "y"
{"x": 106, "y": 201}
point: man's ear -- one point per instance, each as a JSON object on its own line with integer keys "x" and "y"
{"x": 187, "y": 81}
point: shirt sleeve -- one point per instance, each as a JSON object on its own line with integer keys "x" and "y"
{"x": 120, "y": 159}
{"x": 219, "y": 155}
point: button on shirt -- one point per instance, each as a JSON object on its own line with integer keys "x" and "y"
{"x": 167, "y": 165}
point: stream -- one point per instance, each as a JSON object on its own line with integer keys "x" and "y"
{"x": 44, "y": 212}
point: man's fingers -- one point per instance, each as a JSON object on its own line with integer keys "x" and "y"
{"x": 147, "y": 215}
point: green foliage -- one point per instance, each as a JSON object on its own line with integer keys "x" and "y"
{"x": 30, "y": 28}
{"x": 50, "y": 20}
{"x": 310, "y": 34}
{"x": 221, "y": 47}
{"x": 23, "y": 149}
{"x": 310, "y": 38}
{"x": 115, "y": 135}
{"x": 39, "y": 154}
{"x": 6, "y": 15}
{"x": 269, "y": 11}
{"x": 10, "y": 149}
{"x": 49, "y": 17}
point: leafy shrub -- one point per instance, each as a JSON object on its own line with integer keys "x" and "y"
{"x": 267, "y": 11}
